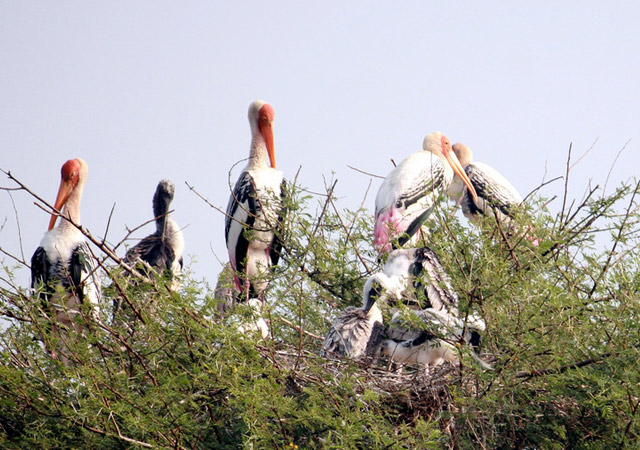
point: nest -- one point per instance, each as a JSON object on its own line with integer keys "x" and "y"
{"x": 408, "y": 393}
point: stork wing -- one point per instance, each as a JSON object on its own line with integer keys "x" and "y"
{"x": 493, "y": 190}
{"x": 430, "y": 278}
{"x": 40, "y": 273}
{"x": 84, "y": 280}
{"x": 242, "y": 210}
{"x": 154, "y": 252}
{"x": 276, "y": 247}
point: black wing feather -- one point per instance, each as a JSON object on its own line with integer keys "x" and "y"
{"x": 153, "y": 251}
{"x": 80, "y": 267}
{"x": 276, "y": 246}
{"x": 244, "y": 193}
{"x": 427, "y": 266}
{"x": 487, "y": 191}
{"x": 40, "y": 273}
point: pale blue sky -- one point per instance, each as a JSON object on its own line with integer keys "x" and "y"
{"x": 151, "y": 90}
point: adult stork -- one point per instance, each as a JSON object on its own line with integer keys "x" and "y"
{"x": 64, "y": 259}
{"x": 495, "y": 195}
{"x": 358, "y": 331}
{"x": 408, "y": 194}
{"x": 254, "y": 211}
{"x": 162, "y": 249}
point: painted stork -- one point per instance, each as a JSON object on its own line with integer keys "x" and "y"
{"x": 496, "y": 197}
{"x": 357, "y": 331}
{"x": 428, "y": 338}
{"x": 163, "y": 249}
{"x": 254, "y": 211}
{"x": 64, "y": 259}
{"x": 408, "y": 194}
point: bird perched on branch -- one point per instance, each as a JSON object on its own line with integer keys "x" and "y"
{"x": 161, "y": 250}
{"x": 254, "y": 212}
{"x": 495, "y": 195}
{"x": 63, "y": 270}
{"x": 409, "y": 193}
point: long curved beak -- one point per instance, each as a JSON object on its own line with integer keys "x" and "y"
{"x": 459, "y": 170}
{"x": 63, "y": 195}
{"x": 267, "y": 132}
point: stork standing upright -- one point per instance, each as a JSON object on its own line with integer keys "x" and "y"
{"x": 496, "y": 196}
{"x": 162, "y": 249}
{"x": 409, "y": 192}
{"x": 63, "y": 258}
{"x": 254, "y": 211}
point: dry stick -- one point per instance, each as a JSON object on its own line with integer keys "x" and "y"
{"x": 299, "y": 328}
{"x": 124, "y": 438}
{"x": 104, "y": 247}
{"x": 616, "y": 241}
{"x": 562, "y": 369}
{"x": 15, "y": 211}
{"x": 3, "y": 251}
{"x": 543, "y": 184}
{"x": 585, "y": 153}
{"x": 566, "y": 183}
{"x": 613, "y": 165}
{"x": 365, "y": 173}
{"x": 355, "y": 248}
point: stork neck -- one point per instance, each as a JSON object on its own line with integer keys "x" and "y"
{"x": 258, "y": 153}
{"x": 160, "y": 209}
{"x": 71, "y": 210}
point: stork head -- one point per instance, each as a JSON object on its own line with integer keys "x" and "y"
{"x": 163, "y": 197}
{"x": 439, "y": 144}
{"x": 73, "y": 173}
{"x": 261, "y": 116}
{"x": 463, "y": 153}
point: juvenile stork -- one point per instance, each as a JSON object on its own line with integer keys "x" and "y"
{"x": 420, "y": 280}
{"x": 254, "y": 211}
{"x": 163, "y": 249}
{"x": 495, "y": 195}
{"x": 408, "y": 194}
{"x": 429, "y": 337}
{"x": 64, "y": 259}
{"x": 357, "y": 331}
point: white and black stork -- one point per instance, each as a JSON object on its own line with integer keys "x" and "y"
{"x": 254, "y": 211}
{"x": 161, "y": 250}
{"x": 408, "y": 194}
{"x": 64, "y": 259}
{"x": 495, "y": 195}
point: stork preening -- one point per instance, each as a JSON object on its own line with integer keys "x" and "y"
{"x": 163, "y": 249}
{"x": 408, "y": 194}
{"x": 254, "y": 211}
{"x": 495, "y": 195}
{"x": 356, "y": 331}
{"x": 64, "y": 259}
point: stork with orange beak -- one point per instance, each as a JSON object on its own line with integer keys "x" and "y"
{"x": 63, "y": 258}
{"x": 408, "y": 194}
{"x": 254, "y": 211}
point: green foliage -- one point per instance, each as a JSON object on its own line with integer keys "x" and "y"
{"x": 166, "y": 371}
